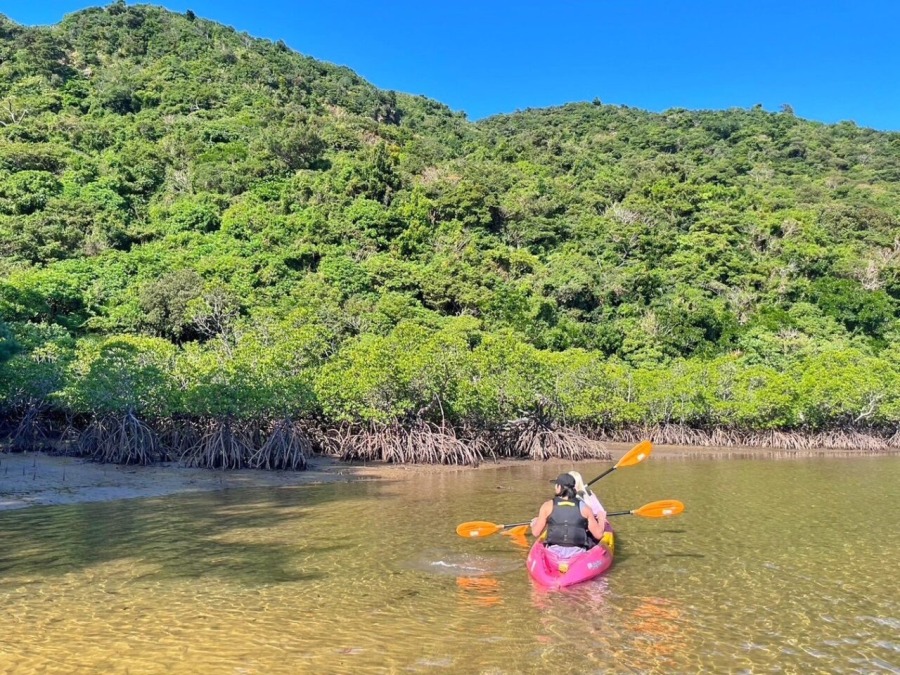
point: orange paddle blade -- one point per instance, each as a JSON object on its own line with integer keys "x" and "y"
{"x": 636, "y": 455}
{"x": 477, "y": 528}
{"x": 661, "y": 509}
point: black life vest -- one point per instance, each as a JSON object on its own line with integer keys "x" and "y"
{"x": 566, "y": 526}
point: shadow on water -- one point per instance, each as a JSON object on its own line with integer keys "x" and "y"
{"x": 252, "y": 536}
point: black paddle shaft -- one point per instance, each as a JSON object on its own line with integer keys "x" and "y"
{"x": 610, "y": 470}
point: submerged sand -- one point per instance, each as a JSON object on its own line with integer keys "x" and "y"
{"x": 32, "y": 479}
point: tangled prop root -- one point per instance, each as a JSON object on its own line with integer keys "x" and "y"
{"x": 33, "y": 432}
{"x": 894, "y": 441}
{"x": 795, "y": 441}
{"x": 178, "y": 437}
{"x": 223, "y": 444}
{"x": 533, "y": 439}
{"x": 421, "y": 444}
{"x": 286, "y": 447}
{"x": 119, "y": 439}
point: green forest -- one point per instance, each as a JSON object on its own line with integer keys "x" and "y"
{"x": 217, "y": 250}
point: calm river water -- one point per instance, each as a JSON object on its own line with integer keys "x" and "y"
{"x": 776, "y": 566}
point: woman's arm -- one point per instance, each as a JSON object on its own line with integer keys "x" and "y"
{"x": 595, "y": 526}
{"x": 539, "y": 523}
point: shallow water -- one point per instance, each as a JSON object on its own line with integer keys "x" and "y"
{"x": 775, "y": 566}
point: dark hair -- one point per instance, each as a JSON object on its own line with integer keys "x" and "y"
{"x": 566, "y": 491}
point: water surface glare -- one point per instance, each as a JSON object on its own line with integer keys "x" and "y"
{"x": 775, "y": 566}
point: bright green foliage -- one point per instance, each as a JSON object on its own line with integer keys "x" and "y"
{"x": 121, "y": 374}
{"x": 845, "y": 387}
{"x": 756, "y": 397}
{"x": 371, "y": 378}
{"x": 508, "y": 379}
{"x": 25, "y": 192}
{"x": 44, "y": 295}
{"x": 229, "y": 228}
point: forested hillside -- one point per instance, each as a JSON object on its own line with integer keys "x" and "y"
{"x": 217, "y": 249}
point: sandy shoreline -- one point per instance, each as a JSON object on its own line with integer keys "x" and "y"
{"x": 32, "y": 479}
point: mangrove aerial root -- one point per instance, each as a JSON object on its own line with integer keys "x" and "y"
{"x": 798, "y": 441}
{"x": 223, "y": 444}
{"x": 286, "y": 447}
{"x": 119, "y": 439}
{"x": 178, "y": 436}
{"x": 33, "y": 431}
{"x": 423, "y": 443}
{"x": 532, "y": 438}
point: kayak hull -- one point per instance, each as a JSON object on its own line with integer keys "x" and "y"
{"x": 552, "y": 572}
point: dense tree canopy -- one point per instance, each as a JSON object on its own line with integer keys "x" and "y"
{"x": 196, "y": 222}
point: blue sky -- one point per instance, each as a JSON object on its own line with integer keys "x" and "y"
{"x": 831, "y": 60}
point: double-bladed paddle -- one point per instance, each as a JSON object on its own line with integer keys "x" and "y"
{"x": 636, "y": 455}
{"x": 659, "y": 509}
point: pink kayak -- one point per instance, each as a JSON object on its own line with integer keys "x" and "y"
{"x": 554, "y": 573}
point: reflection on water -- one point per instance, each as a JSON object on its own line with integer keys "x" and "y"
{"x": 481, "y": 591}
{"x": 774, "y": 566}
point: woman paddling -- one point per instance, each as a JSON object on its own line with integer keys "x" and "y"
{"x": 567, "y": 520}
